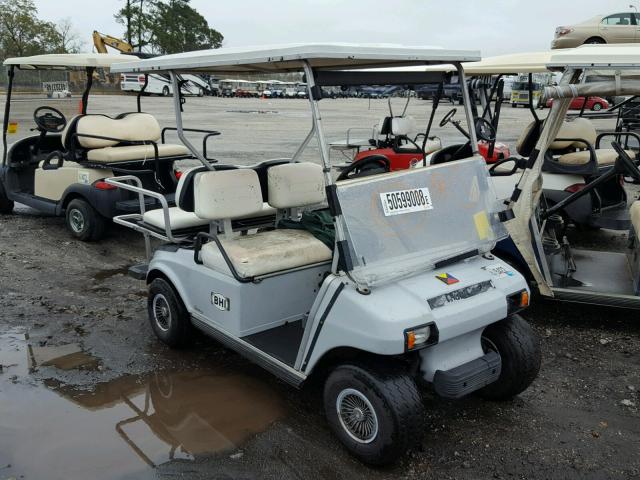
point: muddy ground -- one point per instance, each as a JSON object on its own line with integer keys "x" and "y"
{"x": 86, "y": 391}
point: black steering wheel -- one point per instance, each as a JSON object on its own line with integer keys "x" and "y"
{"x": 447, "y": 118}
{"x": 370, "y": 165}
{"x": 484, "y": 130}
{"x": 51, "y": 121}
{"x": 628, "y": 164}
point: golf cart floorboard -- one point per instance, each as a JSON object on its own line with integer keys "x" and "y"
{"x": 614, "y": 219}
{"x": 281, "y": 342}
{"x": 599, "y": 272}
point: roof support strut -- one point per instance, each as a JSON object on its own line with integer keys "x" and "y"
{"x": 7, "y": 110}
{"x": 177, "y": 108}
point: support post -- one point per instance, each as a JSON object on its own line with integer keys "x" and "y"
{"x": 467, "y": 109}
{"x": 85, "y": 94}
{"x": 7, "y": 111}
{"x": 177, "y": 107}
{"x": 141, "y": 92}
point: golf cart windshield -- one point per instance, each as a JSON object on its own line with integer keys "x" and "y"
{"x": 403, "y": 223}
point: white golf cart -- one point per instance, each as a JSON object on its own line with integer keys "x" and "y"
{"x": 60, "y": 168}
{"x": 538, "y": 245}
{"x": 406, "y": 292}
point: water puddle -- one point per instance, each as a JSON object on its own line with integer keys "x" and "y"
{"x": 121, "y": 428}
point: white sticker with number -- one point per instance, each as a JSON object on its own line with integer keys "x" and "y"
{"x": 406, "y": 201}
{"x": 498, "y": 271}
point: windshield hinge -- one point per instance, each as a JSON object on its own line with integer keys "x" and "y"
{"x": 506, "y": 215}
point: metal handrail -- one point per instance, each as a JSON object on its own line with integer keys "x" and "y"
{"x": 125, "y": 220}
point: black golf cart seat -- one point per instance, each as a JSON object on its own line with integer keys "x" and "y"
{"x": 400, "y": 128}
{"x": 228, "y": 195}
{"x": 100, "y": 139}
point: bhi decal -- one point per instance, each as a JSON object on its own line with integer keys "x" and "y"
{"x": 447, "y": 278}
{"x": 220, "y": 302}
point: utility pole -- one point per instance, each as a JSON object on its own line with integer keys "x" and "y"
{"x": 128, "y": 17}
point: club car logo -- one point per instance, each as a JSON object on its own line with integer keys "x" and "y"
{"x": 220, "y": 301}
{"x": 447, "y": 278}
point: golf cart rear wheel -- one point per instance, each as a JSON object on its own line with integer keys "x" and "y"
{"x": 168, "y": 315}
{"x": 519, "y": 348}
{"x": 84, "y": 222}
{"x": 6, "y": 205}
{"x": 377, "y": 413}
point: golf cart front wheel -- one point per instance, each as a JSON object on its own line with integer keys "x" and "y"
{"x": 168, "y": 315}
{"x": 6, "y": 205}
{"x": 84, "y": 222}
{"x": 376, "y": 413}
{"x": 519, "y": 348}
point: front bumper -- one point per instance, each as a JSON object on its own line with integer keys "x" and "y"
{"x": 468, "y": 377}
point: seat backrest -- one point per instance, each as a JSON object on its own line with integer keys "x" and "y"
{"x": 227, "y": 194}
{"x": 131, "y": 127}
{"x": 296, "y": 185}
{"x": 577, "y": 128}
{"x": 403, "y": 126}
{"x": 528, "y": 138}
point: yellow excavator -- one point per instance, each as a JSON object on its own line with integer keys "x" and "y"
{"x": 102, "y": 41}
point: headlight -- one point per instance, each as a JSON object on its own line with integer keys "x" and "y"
{"x": 419, "y": 337}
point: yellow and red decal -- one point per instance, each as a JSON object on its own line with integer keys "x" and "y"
{"x": 447, "y": 278}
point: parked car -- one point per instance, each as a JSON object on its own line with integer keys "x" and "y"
{"x": 616, "y": 28}
{"x": 593, "y": 103}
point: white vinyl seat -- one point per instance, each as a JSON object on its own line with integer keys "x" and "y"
{"x": 133, "y": 127}
{"x": 135, "y": 152}
{"x": 180, "y": 219}
{"x": 233, "y": 194}
{"x": 604, "y": 156}
{"x": 266, "y": 252}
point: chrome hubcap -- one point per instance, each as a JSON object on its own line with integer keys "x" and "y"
{"x": 161, "y": 312}
{"x": 76, "y": 219}
{"x": 357, "y": 415}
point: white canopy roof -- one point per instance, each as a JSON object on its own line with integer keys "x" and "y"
{"x": 614, "y": 55}
{"x": 279, "y": 58}
{"x": 69, "y": 61}
{"x": 530, "y": 62}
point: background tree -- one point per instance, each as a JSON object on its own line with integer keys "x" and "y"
{"x": 69, "y": 40}
{"x": 22, "y": 33}
{"x": 135, "y": 16}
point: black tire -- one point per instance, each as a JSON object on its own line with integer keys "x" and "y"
{"x": 514, "y": 105}
{"x": 84, "y": 222}
{"x": 392, "y": 394}
{"x": 165, "y": 91}
{"x": 596, "y": 107}
{"x": 6, "y": 205}
{"x": 595, "y": 40}
{"x": 167, "y": 314}
{"x": 519, "y": 349}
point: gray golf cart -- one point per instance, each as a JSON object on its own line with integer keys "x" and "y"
{"x": 538, "y": 245}
{"x": 407, "y": 292}
{"x": 60, "y": 168}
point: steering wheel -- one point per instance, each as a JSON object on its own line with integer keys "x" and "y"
{"x": 447, "y": 118}
{"x": 52, "y": 121}
{"x": 627, "y": 163}
{"x": 367, "y": 166}
{"x": 484, "y": 130}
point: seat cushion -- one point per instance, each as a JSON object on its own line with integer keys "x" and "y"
{"x": 266, "y": 252}
{"x": 634, "y": 213}
{"x": 180, "y": 219}
{"x": 605, "y": 157}
{"x": 134, "y": 152}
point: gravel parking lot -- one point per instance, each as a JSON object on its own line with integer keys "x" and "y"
{"x": 86, "y": 391}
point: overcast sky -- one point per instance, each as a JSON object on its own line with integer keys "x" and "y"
{"x": 493, "y": 26}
